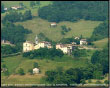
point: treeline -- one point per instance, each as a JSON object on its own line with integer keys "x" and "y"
{"x": 7, "y": 49}
{"x": 43, "y": 53}
{"x": 100, "y": 32}
{"x": 14, "y": 33}
{"x": 74, "y": 75}
{"x": 74, "y": 10}
{"x": 2, "y": 8}
{"x": 14, "y": 16}
{"x": 101, "y": 57}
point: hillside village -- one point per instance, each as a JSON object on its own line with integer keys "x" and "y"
{"x": 71, "y": 46}
{"x": 66, "y": 48}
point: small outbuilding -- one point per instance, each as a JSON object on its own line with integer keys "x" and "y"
{"x": 35, "y": 71}
{"x": 53, "y": 24}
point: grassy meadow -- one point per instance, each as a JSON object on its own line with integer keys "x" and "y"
{"x": 16, "y": 62}
{"x": 101, "y": 43}
{"x": 38, "y": 25}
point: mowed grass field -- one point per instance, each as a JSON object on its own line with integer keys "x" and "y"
{"x": 38, "y": 25}
{"x": 34, "y": 10}
{"x": 16, "y": 62}
{"x": 101, "y": 43}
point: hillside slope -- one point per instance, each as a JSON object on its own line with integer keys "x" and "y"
{"x": 38, "y": 25}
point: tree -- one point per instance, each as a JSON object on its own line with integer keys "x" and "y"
{"x": 27, "y": 15}
{"x": 106, "y": 82}
{"x": 32, "y": 3}
{"x": 2, "y": 8}
{"x": 30, "y": 71}
{"x": 21, "y": 71}
{"x": 21, "y": 4}
{"x": 6, "y": 73}
{"x": 35, "y": 65}
{"x": 97, "y": 74}
{"x": 38, "y": 3}
{"x": 4, "y": 66}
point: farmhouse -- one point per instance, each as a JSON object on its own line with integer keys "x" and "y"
{"x": 5, "y": 42}
{"x": 83, "y": 42}
{"x": 35, "y": 71}
{"x": 53, "y": 24}
{"x": 28, "y": 46}
{"x": 76, "y": 38}
{"x": 5, "y": 9}
{"x": 43, "y": 44}
{"x": 66, "y": 48}
{"x": 16, "y": 7}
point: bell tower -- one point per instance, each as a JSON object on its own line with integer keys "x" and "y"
{"x": 36, "y": 40}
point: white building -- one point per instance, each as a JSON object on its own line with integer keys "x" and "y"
{"x": 5, "y": 9}
{"x": 16, "y": 7}
{"x": 66, "y": 48}
{"x": 28, "y": 46}
{"x": 83, "y": 42}
{"x": 35, "y": 71}
{"x": 76, "y": 38}
{"x": 53, "y": 24}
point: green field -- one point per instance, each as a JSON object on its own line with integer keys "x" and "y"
{"x": 38, "y": 25}
{"x": 27, "y": 4}
{"x": 101, "y": 43}
{"x": 16, "y": 62}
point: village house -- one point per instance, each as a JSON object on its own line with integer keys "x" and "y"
{"x": 28, "y": 46}
{"x": 66, "y": 48}
{"x": 5, "y": 9}
{"x": 16, "y": 7}
{"x": 76, "y": 38}
{"x": 5, "y": 42}
{"x": 53, "y": 24}
{"x": 35, "y": 71}
{"x": 43, "y": 44}
{"x": 83, "y": 42}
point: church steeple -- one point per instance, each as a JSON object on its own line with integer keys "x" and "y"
{"x": 36, "y": 40}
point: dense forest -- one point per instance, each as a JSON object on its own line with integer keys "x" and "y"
{"x": 14, "y": 16}
{"x": 100, "y": 32}
{"x": 14, "y": 33}
{"x": 43, "y": 53}
{"x": 95, "y": 70}
{"x": 75, "y": 10}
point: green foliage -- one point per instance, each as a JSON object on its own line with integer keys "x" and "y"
{"x": 44, "y": 53}
{"x": 65, "y": 29}
{"x": 27, "y": 15}
{"x": 38, "y": 3}
{"x": 73, "y": 11}
{"x": 42, "y": 37}
{"x": 3, "y": 66}
{"x": 7, "y": 49}
{"x": 100, "y": 32}
{"x": 6, "y": 73}
{"x": 69, "y": 40}
{"x": 89, "y": 81}
{"x": 14, "y": 33}
{"x": 106, "y": 82}
{"x": 97, "y": 74}
{"x": 2, "y": 8}
{"x": 35, "y": 65}
{"x": 98, "y": 82}
{"x": 101, "y": 57}
{"x": 30, "y": 71}
{"x": 79, "y": 53}
{"x": 32, "y": 3}
{"x": 14, "y": 16}
{"x": 21, "y": 71}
